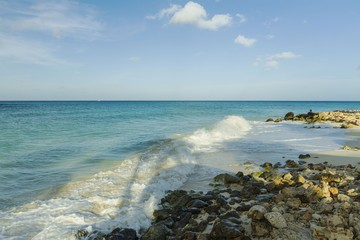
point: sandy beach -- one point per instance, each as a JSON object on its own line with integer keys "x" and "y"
{"x": 340, "y": 156}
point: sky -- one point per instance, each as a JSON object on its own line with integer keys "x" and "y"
{"x": 180, "y": 50}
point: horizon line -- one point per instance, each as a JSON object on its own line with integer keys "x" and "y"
{"x": 167, "y": 100}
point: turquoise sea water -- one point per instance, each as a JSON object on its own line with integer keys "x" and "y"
{"x": 68, "y": 165}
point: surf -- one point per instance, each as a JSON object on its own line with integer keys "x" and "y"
{"x": 124, "y": 196}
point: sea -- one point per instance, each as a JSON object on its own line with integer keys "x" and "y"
{"x": 97, "y": 165}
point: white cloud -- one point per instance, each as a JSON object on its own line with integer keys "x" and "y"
{"x": 193, "y": 14}
{"x": 165, "y": 12}
{"x": 241, "y": 17}
{"x": 24, "y": 51}
{"x": 246, "y": 42}
{"x": 269, "y": 36}
{"x": 57, "y": 18}
{"x": 273, "y": 61}
{"x": 283, "y": 55}
{"x": 24, "y": 25}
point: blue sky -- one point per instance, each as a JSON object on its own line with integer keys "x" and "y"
{"x": 180, "y": 50}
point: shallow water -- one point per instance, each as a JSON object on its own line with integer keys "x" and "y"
{"x": 70, "y": 165}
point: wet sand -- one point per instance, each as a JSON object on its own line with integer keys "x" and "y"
{"x": 341, "y": 157}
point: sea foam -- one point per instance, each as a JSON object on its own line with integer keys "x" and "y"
{"x": 125, "y": 196}
{"x": 231, "y": 127}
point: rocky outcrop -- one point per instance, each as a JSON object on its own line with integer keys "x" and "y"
{"x": 289, "y": 116}
{"x": 348, "y": 148}
{"x": 347, "y": 119}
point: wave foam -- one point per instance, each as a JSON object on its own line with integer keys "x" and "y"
{"x": 231, "y": 127}
{"x": 125, "y": 196}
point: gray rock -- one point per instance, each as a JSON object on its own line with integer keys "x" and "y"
{"x": 256, "y": 212}
{"x": 157, "y": 232}
{"x": 122, "y": 234}
{"x": 276, "y": 219}
{"x": 260, "y": 228}
{"x": 289, "y": 116}
{"x": 226, "y": 230}
{"x": 304, "y": 156}
{"x": 197, "y": 203}
{"x": 227, "y": 178}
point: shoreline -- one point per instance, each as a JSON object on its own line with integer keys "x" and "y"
{"x": 302, "y": 199}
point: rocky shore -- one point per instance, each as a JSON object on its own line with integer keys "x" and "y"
{"x": 295, "y": 200}
{"x": 298, "y": 200}
{"x": 347, "y": 119}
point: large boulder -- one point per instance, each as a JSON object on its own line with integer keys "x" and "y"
{"x": 276, "y": 219}
{"x": 225, "y": 229}
{"x": 256, "y": 212}
{"x": 289, "y": 116}
{"x": 227, "y": 178}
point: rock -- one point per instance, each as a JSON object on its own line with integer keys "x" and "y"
{"x": 256, "y": 212}
{"x": 299, "y": 179}
{"x": 277, "y": 165}
{"x": 240, "y": 174}
{"x": 227, "y": 178}
{"x": 325, "y": 208}
{"x": 157, "y": 232}
{"x": 348, "y": 148}
{"x": 289, "y": 116}
{"x": 328, "y": 177}
{"x": 293, "y": 203}
{"x": 266, "y": 165}
{"x": 333, "y": 220}
{"x": 331, "y": 233}
{"x": 231, "y": 214}
{"x": 224, "y": 229}
{"x": 260, "y": 228}
{"x": 178, "y": 198}
{"x": 213, "y": 209}
{"x": 184, "y": 219}
{"x": 276, "y": 219}
{"x": 334, "y": 191}
{"x": 81, "y": 234}
{"x": 288, "y": 192}
{"x": 343, "y": 198}
{"x": 291, "y": 164}
{"x": 269, "y": 120}
{"x": 278, "y": 120}
{"x": 197, "y": 204}
{"x": 347, "y": 125}
{"x": 161, "y": 214}
{"x": 304, "y": 156}
{"x": 287, "y": 177}
{"x": 306, "y": 214}
{"x": 194, "y": 210}
{"x": 122, "y": 234}
{"x": 189, "y": 236}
